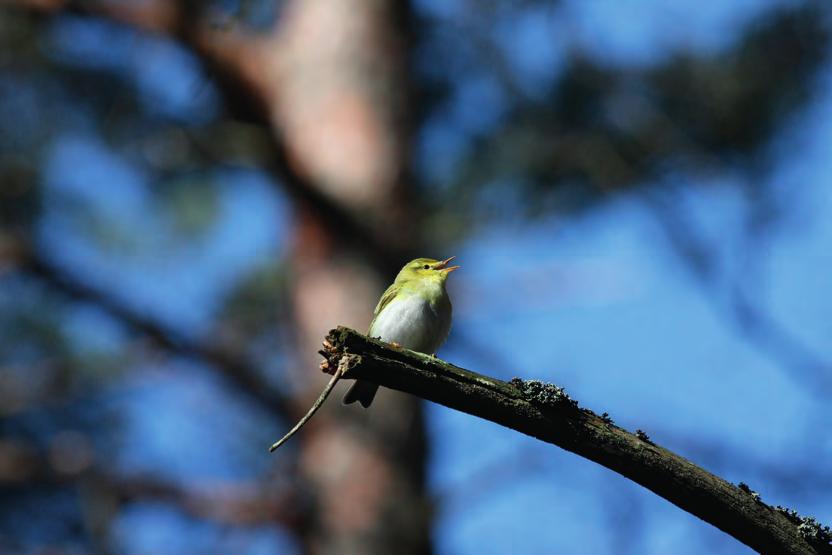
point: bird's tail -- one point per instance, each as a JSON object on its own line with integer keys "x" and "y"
{"x": 361, "y": 391}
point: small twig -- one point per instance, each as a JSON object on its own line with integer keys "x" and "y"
{"x": 318, "y": 403}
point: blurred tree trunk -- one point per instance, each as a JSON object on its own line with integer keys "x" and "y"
{"x": 341, "y": 109}
{"x": 331, "y": 79}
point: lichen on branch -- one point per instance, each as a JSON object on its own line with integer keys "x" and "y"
{"x": 546, "y": 412}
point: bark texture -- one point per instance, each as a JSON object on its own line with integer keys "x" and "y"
{"x": 546, "y": 412}
{"x": 339, "y": 107}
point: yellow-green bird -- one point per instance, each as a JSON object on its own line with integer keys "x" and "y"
{"x": 414, "y": 312}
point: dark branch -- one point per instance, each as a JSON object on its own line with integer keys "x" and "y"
{"x": 545, "y": 412}
{"x": 799, "y": 362}
{"x": 231, "y": 365}
{"x": 24, "y": 466}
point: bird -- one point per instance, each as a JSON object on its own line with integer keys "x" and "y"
{"x": 414, "y": 313}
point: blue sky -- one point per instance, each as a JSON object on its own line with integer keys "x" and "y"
{"x": 602, "y": 298}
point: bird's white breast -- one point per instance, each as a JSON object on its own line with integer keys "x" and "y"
{"x": 414, "y": 323}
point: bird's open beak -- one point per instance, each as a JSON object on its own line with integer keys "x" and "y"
{"x": 444, "y": 266}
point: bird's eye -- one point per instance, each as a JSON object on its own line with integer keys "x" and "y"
{"x": 426, "y": 267}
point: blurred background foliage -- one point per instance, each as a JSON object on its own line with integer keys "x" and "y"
{"x": 638, "y": 193}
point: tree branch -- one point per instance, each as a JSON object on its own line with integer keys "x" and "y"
{"x": 799, "y": 362}
{"x": 233, "y": 366}
{"x": 24, "y": 466}
{"x": 547, "y": 413}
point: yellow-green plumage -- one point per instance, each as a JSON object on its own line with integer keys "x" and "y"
{"x": 414, "y": 312}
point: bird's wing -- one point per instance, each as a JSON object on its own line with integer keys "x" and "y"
{"x": 388, "y": 296}
{"x": 385, "y": 300}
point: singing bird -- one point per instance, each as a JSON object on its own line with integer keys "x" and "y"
{"x": 414, "y": 312}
